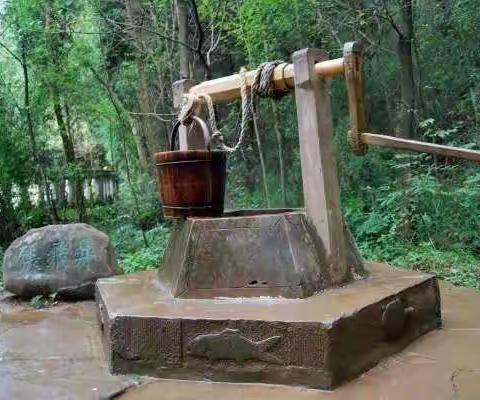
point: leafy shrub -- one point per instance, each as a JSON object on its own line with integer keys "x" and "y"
{"x": 102, "y": 216}
{"x": 459, "y": 266}
{"x": 138, "y": 257}
{"x": 147, "y": 212}
{"x": 33, "y": 217}
{"x": 126, "y": 234}
{"x": 437, "y": 212}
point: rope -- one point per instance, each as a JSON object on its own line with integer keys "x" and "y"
{"x": 355, "y": 143}
{"x": 190, "y": 107}
{"x": 262, "y": 86}
{"x": 217, "y": 140}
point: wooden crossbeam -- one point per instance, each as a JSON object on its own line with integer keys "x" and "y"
{"x": 227, "y": 88}
{"x": 422, "y": 147}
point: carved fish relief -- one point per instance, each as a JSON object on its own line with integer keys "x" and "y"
{"x": 230, "y": 344}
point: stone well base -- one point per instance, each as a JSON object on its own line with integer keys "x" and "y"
{"x": 317, "y": 342}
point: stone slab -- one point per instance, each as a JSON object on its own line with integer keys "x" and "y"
{"x": 53, "y": 353}
{"x": 317, "y": 342}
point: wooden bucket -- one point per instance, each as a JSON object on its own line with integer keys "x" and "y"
{"x": 191, "y": 182}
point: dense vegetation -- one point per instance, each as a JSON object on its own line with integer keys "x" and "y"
{"x": 86, "y": 85}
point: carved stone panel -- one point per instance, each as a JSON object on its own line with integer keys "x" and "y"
{"x": 147, "y": 339}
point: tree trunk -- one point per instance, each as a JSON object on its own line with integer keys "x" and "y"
{"x": 8, "y": 220}
{"x": 41, "y": 180}
{"x": 184, "y": 51}
{"x": 406, "y": 126}
{"x": 68, "y": 121}
{"x": 70, "y": 159}
{"x": 262, "y": 160}
{"x": 143, "y": 151}
{"x": 151, "y": 126}
{"x": 126, "y": 121}
{"x": 149, "y": 132}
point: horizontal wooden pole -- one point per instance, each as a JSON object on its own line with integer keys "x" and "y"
{"x": 228, "y": 88}
{"x": 422, "y": 147}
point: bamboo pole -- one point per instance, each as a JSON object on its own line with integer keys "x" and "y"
{"x": 422, "y": 147}
{"x": 227, "y": 88}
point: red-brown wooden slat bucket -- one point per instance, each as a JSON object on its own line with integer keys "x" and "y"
{"x": 191, "y": 182}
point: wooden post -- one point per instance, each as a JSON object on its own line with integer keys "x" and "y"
{"x": 352, "y": 61}
{"x": 318, "y": 160}
{"x": 188, "y": 139}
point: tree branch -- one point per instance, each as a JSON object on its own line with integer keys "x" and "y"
{"x": 156, "y": 33}
{"x": 391, "y": 20}
{"x": 201, "y": 39}
{"x": 11, "y": 53}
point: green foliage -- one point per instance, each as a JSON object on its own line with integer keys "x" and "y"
{"x": 142, "y": 258}
{"x": 430, "y": 225}
{"x": 36, "y": 217}
{"x": 437, "y": 212}
{"x": 132, "y": 253}
{"x": 125, "y": 231}
{"x": 149, "y": 210}
{"x": 458, "y": 266}
{"x": 38, "y": 302}
{"x": 272, "y": 20}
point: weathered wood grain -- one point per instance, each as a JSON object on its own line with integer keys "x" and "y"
{"x": 318, "y": 159}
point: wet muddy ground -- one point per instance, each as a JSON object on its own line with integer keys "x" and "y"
{"x": 56, "y": 353}
{"x": 53, "y": 353}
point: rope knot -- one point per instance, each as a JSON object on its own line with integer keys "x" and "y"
{"x": 262, "y": 85}
{"x": 355, "y": 143}
{"x": 191, "y": 106}
{"x": 216, "y": 141}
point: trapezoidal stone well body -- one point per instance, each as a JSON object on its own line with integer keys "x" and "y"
{"x": 251, "y": 253}
{"x": 247, "y": 298}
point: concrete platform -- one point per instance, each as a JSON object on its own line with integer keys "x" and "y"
{"x": 318, "y": 342}
{"x": 55, "y": 354}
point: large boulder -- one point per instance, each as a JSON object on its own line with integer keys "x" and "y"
{"x": 62, "y": 259}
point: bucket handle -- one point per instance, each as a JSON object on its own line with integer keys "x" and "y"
{"x": 203, "y": 127}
